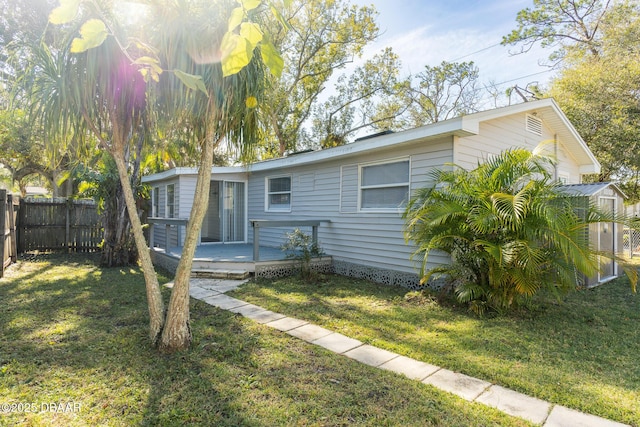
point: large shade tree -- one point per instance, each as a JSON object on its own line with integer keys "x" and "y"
{"x": 599, "y": 94}
{"x": 597, "y": 50}
{"x": 325, "y": 36}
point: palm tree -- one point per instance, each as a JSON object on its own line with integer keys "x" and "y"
{"x": 104, "y": 91}
{"x": 509, "y": 229}
{"x": 190, "y": 41}
{"x": 97, "y": 96}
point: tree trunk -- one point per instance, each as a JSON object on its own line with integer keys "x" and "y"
{"x": 119, "y": 248}
{"x": 176, "y": 335}
{"x": 154, "y": 297}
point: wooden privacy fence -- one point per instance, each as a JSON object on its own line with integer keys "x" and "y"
{"x": 8, "y": 238}
{"x": 58, "y": 224}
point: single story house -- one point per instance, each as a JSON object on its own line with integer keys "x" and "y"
{"x": 358, "y": 190}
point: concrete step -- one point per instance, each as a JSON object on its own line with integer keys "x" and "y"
{"x": 217, "y": 273}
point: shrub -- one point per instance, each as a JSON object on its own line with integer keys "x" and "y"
{"x": 509, "y": 229}
{"x": 300, "y": 246}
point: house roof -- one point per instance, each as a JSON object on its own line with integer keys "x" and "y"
{"x": 468, "y": 125}
{"x": 463, "y": 126}
{"x": 589, "y": 189}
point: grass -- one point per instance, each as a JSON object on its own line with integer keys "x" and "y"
{"x": 74, "y": 351}
{"x": 583, "y": 353}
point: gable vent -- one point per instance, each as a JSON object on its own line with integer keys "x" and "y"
{"x": 534, "y": 124}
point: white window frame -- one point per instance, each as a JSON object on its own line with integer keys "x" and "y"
{"x": 564, "y": 178}
{"x": 155, "y": 202}
{"x": 167, "y": 211}
{"x": 614, "y": 231}
{"x": 267, "y": 193}
{"x": 361, "y": 187}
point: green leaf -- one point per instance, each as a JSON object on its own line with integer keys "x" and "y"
{"x": 272, "y": 58}
{"x": 92, "y": 34}
{"x": 250, "y": 4}
{"x": 191, "y": 81}
{"x": 236, "y": 53}
{"x": 66, "y": 12}
{"x": 251, "y": 32}
{"x": 152, "y": 63}
{"x": 276, "y": 13}
{"x": 237, "y": 15}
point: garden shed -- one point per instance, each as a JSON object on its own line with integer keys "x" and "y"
{"x": 605, "y": 236}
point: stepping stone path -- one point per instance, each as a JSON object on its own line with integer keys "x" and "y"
{"x": 472, "y": 389}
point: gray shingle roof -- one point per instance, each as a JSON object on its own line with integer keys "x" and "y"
{"x": 586, "y": 189}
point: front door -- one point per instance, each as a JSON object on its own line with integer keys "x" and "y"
{"x": 225, "y": 220}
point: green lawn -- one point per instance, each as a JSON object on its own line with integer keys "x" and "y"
{"x": 74, "y": 351}
{"x": 583, "y": 353}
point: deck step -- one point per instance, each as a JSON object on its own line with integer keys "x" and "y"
{"x": 217, "y": 273}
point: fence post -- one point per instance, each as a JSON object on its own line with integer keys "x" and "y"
{"x": 13, "y": 238}
{"x": 67, "y": 236}
{"x": 3, "y": 227}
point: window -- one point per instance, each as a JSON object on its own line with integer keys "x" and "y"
{"x": 171, "y": 201}
{"x": 155, "y": 202}
{"x": 278, "y": 194}
{"x": 563, "y": 178}
{"x": 384, "y": 186}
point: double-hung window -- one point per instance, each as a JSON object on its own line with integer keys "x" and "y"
{"x": 171, "y": 201}
{"x": 278, "y": 194}
{"x": 155, "y": 203}
{"x": 384, "y": 186}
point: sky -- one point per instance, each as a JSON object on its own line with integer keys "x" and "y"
{"x": 427, "y": 32}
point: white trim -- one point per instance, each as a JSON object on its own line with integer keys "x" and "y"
{"x": 245, "y": 215}
{"x": 155, "y": 201}
{"x": 267, "y": 207}
{"x": 614, "y": 232}
{"x": 166, "y": 200}
{"x": 215, "y": 170}
{"x": 564, "y": 175}
{"x": 361, "y": 166}
{"x": 462, "y": 126}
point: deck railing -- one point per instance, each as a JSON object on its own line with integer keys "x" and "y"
{"x": 168, "y": 223}
{"x": 265, "y": 223}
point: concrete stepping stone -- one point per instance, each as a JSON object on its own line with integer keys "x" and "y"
{"x": 516, "y": 404}
{"x": 309, "y": 332}
{"x": 410, "y": 368}
{"x": 467, "y": 387}
{"x": 337, "y": 343}
{"x": 565, "y": 417}
{"x": 370, "y": 355}
{"x": 265, "y": 316}
{"x": 199, "y": 293}
{"x": 256, "y": 313}
{"x": 223, "y": 302}
{"x": 286, "y": 324}
{"x": 223, "y": 286}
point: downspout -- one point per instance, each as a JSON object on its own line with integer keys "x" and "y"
{"x": 555, "y": 155}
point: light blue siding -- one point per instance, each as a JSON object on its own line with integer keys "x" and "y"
{"x": 329, "y": 191}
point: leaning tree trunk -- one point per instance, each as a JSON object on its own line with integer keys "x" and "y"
{"x": 154, "y": 297}
{"x": 177, "y": 331}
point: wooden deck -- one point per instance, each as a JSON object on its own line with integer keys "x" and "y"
{"x": 231, "y": 256}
